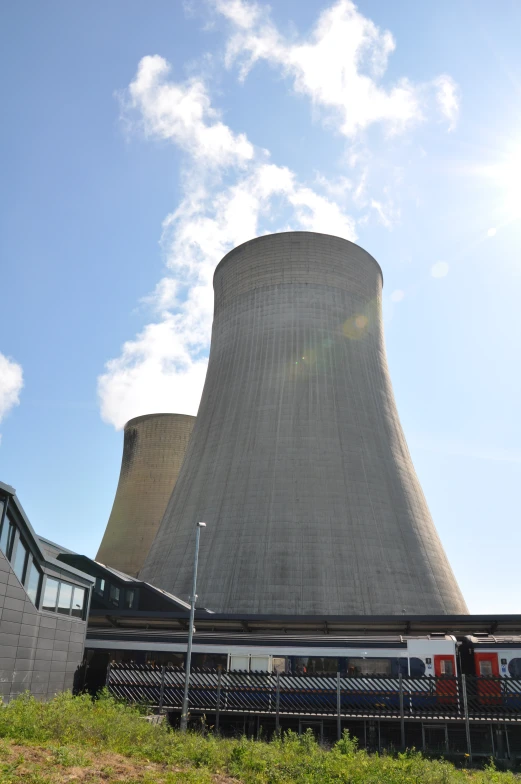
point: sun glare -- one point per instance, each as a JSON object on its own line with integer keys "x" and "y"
{"x": 508, "y": 177}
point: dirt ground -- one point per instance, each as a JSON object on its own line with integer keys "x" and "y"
{"x": 68, "y": 765}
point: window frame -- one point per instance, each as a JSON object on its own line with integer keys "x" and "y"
{"x": 19, "y": 540}
{"x": 32, "y": 562}
{"x": 76, "y": 587}
{"x": 62, "y": 585}
{"x": 19, "y": 535}
{"x": 13, "y": 528}
{"x": 48, "y": 578}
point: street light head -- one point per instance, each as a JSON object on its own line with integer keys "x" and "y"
{"x": 201, "y": 525}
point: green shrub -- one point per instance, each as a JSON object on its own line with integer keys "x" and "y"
{"x": 66, "y": 724}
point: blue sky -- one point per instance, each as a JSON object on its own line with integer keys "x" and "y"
{"x": 141, "y": 141}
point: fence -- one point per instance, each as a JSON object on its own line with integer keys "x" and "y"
{"x": 464, "y": 698}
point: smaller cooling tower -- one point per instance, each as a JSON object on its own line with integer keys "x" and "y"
{"x": 153, "y": 451}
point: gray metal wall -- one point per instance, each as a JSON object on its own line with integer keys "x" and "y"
{"x": 39, "y": 651}
{"x": 153, "y": 451}
{"x": 297, "y": 462}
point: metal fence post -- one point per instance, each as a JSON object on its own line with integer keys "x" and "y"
{"x": 277, "y": 705}
{"x": 466, "y": 709}
{"x": 162, "y": 690}
{"x": 402, "y": 720}
{"x": 338, "y": 708}
{"x": 107, "y": 679}
{"x": 218, "y": 700}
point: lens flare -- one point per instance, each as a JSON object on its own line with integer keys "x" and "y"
{"x": 356, "y": 326}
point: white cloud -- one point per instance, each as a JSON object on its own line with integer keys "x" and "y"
{"x": 233, "y": 192}
{"x": 339, "y": 66}
{"x": 440, "y": 269}
{"x": 448, "y": 98}
{"x": 397, "y": 295}
{"x": 163, "y": 368}
{"x": 491, "y": 232}
{"x": 11, "y": 383}
{"x": 182, "y": 113}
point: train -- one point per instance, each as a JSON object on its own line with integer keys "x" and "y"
{"x": 435, "y": 654}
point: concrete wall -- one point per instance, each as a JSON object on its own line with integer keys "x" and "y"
{"x": 39, "y": 651}
{"x": 153, "y": 452}
{"x": 298, "y": 463}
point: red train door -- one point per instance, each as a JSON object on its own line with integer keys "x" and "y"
{"x": 445, "y": 667}
{"x": 489, "y": 691}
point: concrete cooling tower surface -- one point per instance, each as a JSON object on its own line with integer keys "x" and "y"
{"x": 154, "y": 447}
{"x": 298, "y": 463}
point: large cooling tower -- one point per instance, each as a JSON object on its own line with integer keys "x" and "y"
{"x": 154, "y": 447}
{"x": 298, "y": 463}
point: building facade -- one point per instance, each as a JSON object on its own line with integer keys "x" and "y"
{"x": 43, "y": 610}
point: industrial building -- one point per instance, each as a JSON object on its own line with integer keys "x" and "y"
{"x": 297, "y": 460}
{"x": 154, "y": 447}
{"x": 325, "y": 598}
{"x": 43, "y": 609}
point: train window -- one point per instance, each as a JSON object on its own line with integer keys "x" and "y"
{"x": 240, "y": 663}
{"x": 417, "y": 667}
{"x": 315, "y": 665}
{"x": 160, "y": 658}
{"x": 210, "y": 660}
{"x": 447, "y": 667}
{"x": 514, "y": 668}
{"x": 399, "y": 667}
{"x": 260, "y": 664}
{"x": 280, "y": 664}
{"x": 485, "y": 668}
{"x": 357, "y": 667}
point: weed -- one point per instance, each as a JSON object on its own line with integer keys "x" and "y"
{"x": 78, "y": 732}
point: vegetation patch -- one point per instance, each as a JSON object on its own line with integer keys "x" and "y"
{"x": 75, "y": 739}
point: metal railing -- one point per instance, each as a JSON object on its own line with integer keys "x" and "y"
{"x": 465, "y": 698}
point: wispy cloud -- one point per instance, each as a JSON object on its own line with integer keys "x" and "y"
{"x": 11, "y": 384}
{"x": 448, "y": 98}
{"x": 232, "y": 193}
{"x": 339, "y": 66}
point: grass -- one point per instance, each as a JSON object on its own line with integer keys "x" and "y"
{"x": 74, "y": 739}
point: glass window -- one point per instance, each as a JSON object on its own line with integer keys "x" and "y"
{"x": 259, "y": 663}
{"x": 99, "y": 586}
{"x": 50, "y": 594}
{"x": 239, "y": 663}
{"x": 280, "y": 664}
{"x": 514, "y": 668}
{"x": 6, "y": 537}
{"x": 78, "y": 602}
{"x": 371, "y": 667}
{"x": 417, "y": 667}
{"x": 129, "y": 599}
{"x": 485, "y": 668}
{"x": 114, "y": 593}
{"x": 447, "y": 667}
{"x": 315, "y": 664}
{"x": 32, "y": 582}
{"x": 20, "y": 555}
{"x": 399, "y": 666}
{"x": 209, "y": 660}
{"x": 64, "y": 599}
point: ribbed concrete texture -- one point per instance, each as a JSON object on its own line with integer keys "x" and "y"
{"x": 298, "y": 463}
{"x": 153, "y": 451}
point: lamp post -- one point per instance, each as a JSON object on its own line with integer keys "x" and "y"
{"x": 184, "y": 711}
